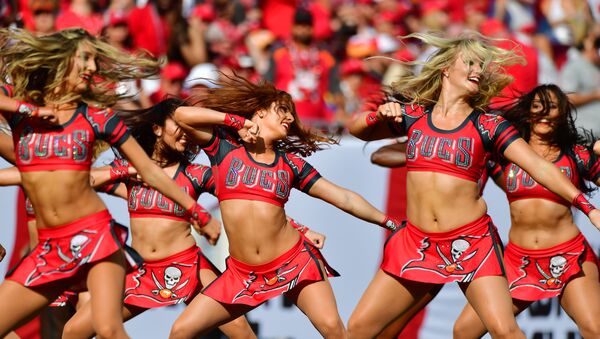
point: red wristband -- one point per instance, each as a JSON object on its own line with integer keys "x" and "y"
{"x": 372, "y": 119}
{"x": 299, "y": 227}
{"x": 199, "y": 214}
{"x": 119, "y": 169}
{"x": 583, "y": 204}
{"x": 234, "y": 121}
{"x": 390, "y": 223}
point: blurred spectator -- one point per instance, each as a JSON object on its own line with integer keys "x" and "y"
{"x": 80, "y": 13}
{"x": 184, "y": 38}
{"x": 580, "y": 78}
{"x": 357, "y": 85}
{"x": 116, "y": 31}
{"x": 44, "y": 16}
{"x": 146, "y": 28}
{"x": 201, "y": 77}
{"x": 171, "y": 82}
{"x": 304, "y": 71}
{"x": 525, "y": 76}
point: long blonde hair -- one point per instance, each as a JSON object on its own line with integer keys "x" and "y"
{"x": 37, "y": 67}
{"x": 425, "y": 88}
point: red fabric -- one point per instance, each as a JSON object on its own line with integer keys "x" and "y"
{"x": 30, "y": 330}
{"x": 322, "y": 21}
{"x": 520, "y": 185}
{"x": 525, "y": 76}
{"x": 238, "y": 176}
{"x": 54, "y": 259}
{"x": 427, "y": 257}
{"x": 147, "y": 31}
{"x": 69, "y": 19}
{"x": 529, "y": 272}
{"x": 278, "y": 16}
{"x": 461, "y": 152}
{"x": 155, "y": 284}
{"x": 252, "y": 285}
{"x": 70, "y": 147}
{"x": 291, "y": 75}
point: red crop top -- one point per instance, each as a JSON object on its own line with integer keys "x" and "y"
{"x": 238, "y": 176}
{"x": 144, "y": 201}
{"x": 67, "y": 146}
{"x": 462, "y": 152}
{"x": 575, "y": 164}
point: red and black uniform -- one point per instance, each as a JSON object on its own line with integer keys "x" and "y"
{"x": 238, "y": 176}
{"x": 467, "y": 252}
{"x": 173, "y": 279}
{"x": 64, "y": 252}
{"x": 540, "y": 274}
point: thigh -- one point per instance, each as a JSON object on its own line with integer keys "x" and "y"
{"x": 20, "y": 304}
{"x": 387, "y": 298}
{"x": 204, "y": 313}
{"x": 398, "y": 325}
{"x": 316, "y": 300}
{"x": 491, "y": 300}
{"x": 581, "y": 297}
{"x": 206, "y": 277}
{"x": 106, "y": 282}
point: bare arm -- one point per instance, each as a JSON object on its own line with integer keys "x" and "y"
{"x": 370, "y": 126}
{"x": 545, "y": 173}
{"x": 10, "y": 176}
{"x": 393, "y": 155}
{"x": 7, "y": 149}
{"x": 198, "y": 123}
{"x": 153, "y": 175}
{"x": 583, "y": 98}
{"x": 597, "y": 147}
{"x": 346, "y": 200}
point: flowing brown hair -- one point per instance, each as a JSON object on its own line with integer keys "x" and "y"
{"x": 236, "y": 95}
{"x": 37, "y": 67}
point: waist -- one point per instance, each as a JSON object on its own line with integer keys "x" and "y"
{"x": 181, "y": 256}
{"x": 272, "y": 264}
{"x": 93, "y": 220}
{"x": 565, "y": 246}
{"x": 251, "y": 196}
{"x": 157, "y": 214}
{"x": 469, "y": 174}
{"x": 47, "y": 166}
{"x": 473, "y": 227}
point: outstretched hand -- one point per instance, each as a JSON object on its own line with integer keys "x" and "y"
{"x": 316, "y": 238}
{"x": 211, "y": 231}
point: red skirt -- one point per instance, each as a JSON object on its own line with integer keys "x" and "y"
{"x": 463, "y": 254}
{"x": 65, "y": 251}
{"x": 168, "y": 281}
{"x": 252, "y": 285}
{"x": 540, "y": 274}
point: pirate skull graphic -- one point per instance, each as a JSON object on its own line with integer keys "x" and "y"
{"x": 459, "y": 246}
{"x": 557, "y": 265}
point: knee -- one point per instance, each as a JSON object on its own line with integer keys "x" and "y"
{"x": 499, "y": 330}
{"x": 589, "y": 329}
{"x": 464, "y": 329}
{"x": 331, "y": 327}
{"x": 180, "y": 330}
{"x": 110, "y": 331}
{"x": 359, "y": 329}
{"x": 72, "y": 330}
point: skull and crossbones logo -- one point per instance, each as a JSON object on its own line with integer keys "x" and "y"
{"x": 171, "y": 277}
{"x": 76, "y": 246}
{"x": 458, "y": 247}
{"x": 558, "y": 266}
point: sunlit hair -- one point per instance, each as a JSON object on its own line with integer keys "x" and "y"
{"x": 565, "y": 135}
{"x": 425, "y": 88}
{"x": 141, "y": 124}
{"x": 236, "y": 95}
{"x": 38, "y": 67}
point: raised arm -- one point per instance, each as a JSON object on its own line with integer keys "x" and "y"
{"x": 10, "y": 176}
{"x": 198, "y": 123}
{"x": 393, "y": 155}
{"x": 370, "y": 126}
{"x": 350, "y": 202}
{"x": 548, "y": 175}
